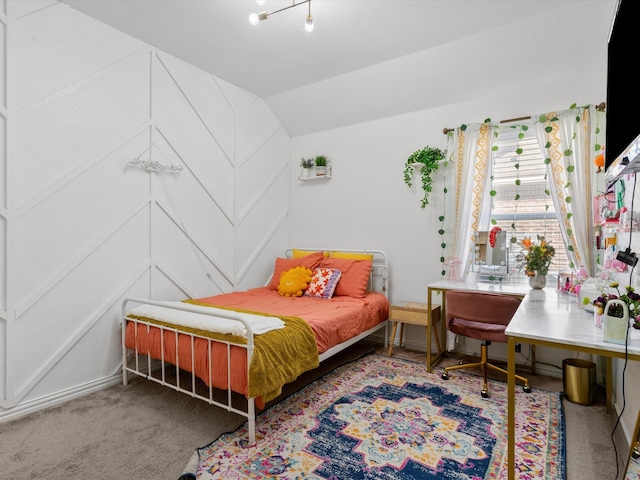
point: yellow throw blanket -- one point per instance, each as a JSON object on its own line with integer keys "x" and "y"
{"x": 279, "y": 356}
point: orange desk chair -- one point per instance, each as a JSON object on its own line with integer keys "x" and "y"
{"x": 483, "y": 316}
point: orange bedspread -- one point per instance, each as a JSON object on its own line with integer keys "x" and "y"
{"x": 332, "y": 322}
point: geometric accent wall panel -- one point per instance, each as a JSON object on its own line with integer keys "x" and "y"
{"x": 72, "y": 219}
{"x": 41, "y": 40}
{"x": 88, "y": 229}
{"x": 62, "y": 134}
{"x": 3, "y": 62}
{"x": 206, "y": 95}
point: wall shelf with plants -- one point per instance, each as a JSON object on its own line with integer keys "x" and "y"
{"x": 314, "y": 169}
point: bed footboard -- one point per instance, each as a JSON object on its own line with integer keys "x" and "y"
{"x": 145, "y": 364}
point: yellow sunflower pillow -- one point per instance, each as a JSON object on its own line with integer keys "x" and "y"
{"x": 294, "y": 281}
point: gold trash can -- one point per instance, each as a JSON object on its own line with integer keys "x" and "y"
{"x": 579, "y": 380}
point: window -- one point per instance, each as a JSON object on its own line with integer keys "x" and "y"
{"x": 533, "y": 213}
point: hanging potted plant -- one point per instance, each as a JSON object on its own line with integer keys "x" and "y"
{"x": 321, "y": 165}
{"x": 426, "y": 161}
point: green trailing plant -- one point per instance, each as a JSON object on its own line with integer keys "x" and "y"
{"x": 430, "y": 158}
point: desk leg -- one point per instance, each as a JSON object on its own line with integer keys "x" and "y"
{"x": 511, "y": 406}
{"x": 393, "y": 338}
{"x": 609, "y": 381}
{"x": 429, "y": 331}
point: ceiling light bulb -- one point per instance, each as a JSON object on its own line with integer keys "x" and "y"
{"x": 256, "y": 18}
{"x": 308, "y": 26}
{"x": 261, "y": 2}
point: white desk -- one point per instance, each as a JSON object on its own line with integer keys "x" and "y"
{"x": 548, "y": 318}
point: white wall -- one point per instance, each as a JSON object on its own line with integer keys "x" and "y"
{"x": 80, "y": 231}
{"x": 367, "y": 205}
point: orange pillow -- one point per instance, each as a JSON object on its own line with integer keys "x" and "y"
{"x": 284, "y": 264}
{"x": 354, "y": 275}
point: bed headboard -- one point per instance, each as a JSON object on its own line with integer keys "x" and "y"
{"x": 379, "y": 277}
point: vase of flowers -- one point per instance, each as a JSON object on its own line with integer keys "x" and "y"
{"x": 628, "y": 301}
{"x": 535, "y": 260}
{"x": 615, "y": 322}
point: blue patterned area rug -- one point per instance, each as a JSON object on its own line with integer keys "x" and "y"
{"x": 385, "y": 418}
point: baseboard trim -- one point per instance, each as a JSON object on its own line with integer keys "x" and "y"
{"x": 33, "y": 406}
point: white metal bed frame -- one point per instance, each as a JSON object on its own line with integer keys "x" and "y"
{"x": 144, "y": 364}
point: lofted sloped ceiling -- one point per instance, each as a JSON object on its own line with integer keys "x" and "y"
{"x": 279, "y": 61}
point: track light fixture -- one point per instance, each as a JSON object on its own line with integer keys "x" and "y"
{"x": 256, "y": 18}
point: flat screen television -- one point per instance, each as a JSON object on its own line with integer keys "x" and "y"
{"x": 623, "y": 88}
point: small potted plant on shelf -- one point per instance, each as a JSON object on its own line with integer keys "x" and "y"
{"x": 426, "y": 161}
{"x": 321, "y": 165}
{"x": 308, "y": 167}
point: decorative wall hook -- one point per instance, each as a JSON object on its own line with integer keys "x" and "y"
{"x": 154, "y": 166}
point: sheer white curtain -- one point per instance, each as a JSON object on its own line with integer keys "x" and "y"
{"x": 471, "y": 149}
{"x": 566, "y": 140}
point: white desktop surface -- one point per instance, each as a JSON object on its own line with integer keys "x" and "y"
{"x": 548, "y": 316}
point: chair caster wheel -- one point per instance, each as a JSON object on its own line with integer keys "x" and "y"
{"x": 445, "y": 376}
{"x": 484, "y": 394}
{"x": 526, "y": 389}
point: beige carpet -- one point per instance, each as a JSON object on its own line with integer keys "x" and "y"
{"x": 147, "y": 432}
